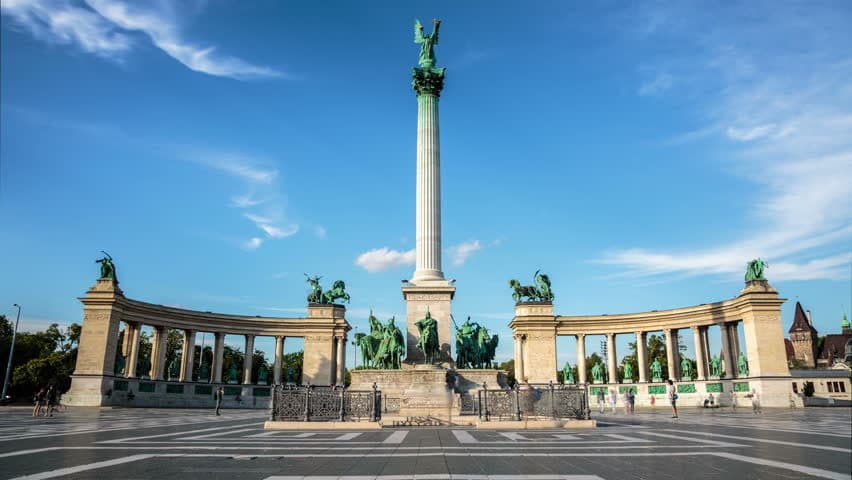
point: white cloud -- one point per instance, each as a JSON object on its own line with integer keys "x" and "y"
{"x": 253, "y": 243}
{"x": 245, "y": 201}
{"x": 660, "y": 83}
{"x": 271, "y": 226}
{"x": 61, "y": 22}
{"x": 101, "y": 29}
{"x": 236, "y": 164}
{"x": 384, "y": 258}
{"x": 784, "y": 113}
{"x": 461, "y": 252}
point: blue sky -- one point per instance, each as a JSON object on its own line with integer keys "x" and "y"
{"x": 639, "y": 154}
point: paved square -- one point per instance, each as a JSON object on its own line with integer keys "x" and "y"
{"x": 159, "y": 443}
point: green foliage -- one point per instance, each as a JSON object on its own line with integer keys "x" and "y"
{"x": 54, "y": 369}
{"x": 509, "y": 368}
{"x": 40, "y": 358}
{"x": 294, "y": 360}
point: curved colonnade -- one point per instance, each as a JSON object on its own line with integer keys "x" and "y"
{"x": 324, "y": 331}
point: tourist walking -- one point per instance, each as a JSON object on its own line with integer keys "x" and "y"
{"x": 755, "y": 401}
{"x": 631, "y": 400}
{"x": 220, "y": 392}
{"x": 625, "y": 400}
{"x": 51, "y": 401}
{"x": 39, "y": 399}
{"x": 613, "y": 397}
{"x": 672, "y": 392}
{"x": 601, "y": 400}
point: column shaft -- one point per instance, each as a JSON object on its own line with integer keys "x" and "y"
{"x": 676, "y": 373}
{"x": 581, "y": 358}
{"x": 705, "y": 339}
{"x": 158, "y": 353}
{"x": 641, "y": 356}
{"x": 249, "y": 358}
{"x": 519, "y": 360}
{"x": 218, "y": 357}
{"x": 612, "y": 366}
{"x": 670, "y": 353}
{"x": 701, "y": 373}
{"x": 187, "y": 356}
{"x": 133, "y": 358}
{"x": 735, "y": 342}
{"x": 428, "y": 195}
{"x": 341, "y": 360}
{"x": 730, "y": 366}
{"x": 276, "y": 366}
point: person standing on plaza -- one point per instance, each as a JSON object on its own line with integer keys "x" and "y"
{"x": 755, "y": 401}
{"x": 672, "y": 393}
{"x": 631, "y": 400}
{"x": 613, "y": 397}
{"x": 625, "y": 400}
{"x": 220, "y": 392}
{"x": 39, "y": 401}
{"x": 601, "y": 400}
{"x": 51, "y": 401}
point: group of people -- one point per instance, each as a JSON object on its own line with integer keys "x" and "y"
{"x": 628, "y": 398}
{"x": 46, "y": 400}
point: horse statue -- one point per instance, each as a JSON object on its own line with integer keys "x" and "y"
{"x": 316, "y": 295}
{"x": 486, "y": 348}
{"x": 521, "y": 291}
{"x": 338, "y": 291}
{"x": 428, "y": 342}
{"x": 369, "y": 344}
{"x": 754, "y": 270}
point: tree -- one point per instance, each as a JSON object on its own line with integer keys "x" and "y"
{"x": 174, "y": 347}
{"x": 295, "y": 360}
{"x": 509, "y": 368}
{"x": 257, "y": 360}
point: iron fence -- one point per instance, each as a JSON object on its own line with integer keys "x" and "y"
{"x": 322, "y": 404}
{"x": 533, "y": 401}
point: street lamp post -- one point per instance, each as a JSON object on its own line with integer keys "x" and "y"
{"x": 6, "y": 381}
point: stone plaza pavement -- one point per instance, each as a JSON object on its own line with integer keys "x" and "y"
{"x": 160, "y": 443}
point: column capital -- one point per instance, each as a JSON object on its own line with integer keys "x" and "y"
{"x": 427, "y": 81}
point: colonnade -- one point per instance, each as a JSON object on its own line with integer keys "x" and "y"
{"x": 757, "y": 308}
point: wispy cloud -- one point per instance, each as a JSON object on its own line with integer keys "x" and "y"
{"x": 320, "y": 232}
{"x": 253, "y": 243}
{"x": 784, "y": 114}
{"x": 245, "y": 201}
{"x": 461, "y": 252}
{"x": 384, "y": 258}
{"x": 102, "y": 27}
{"x": 657, "y": 85}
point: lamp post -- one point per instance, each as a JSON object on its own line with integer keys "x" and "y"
{"x": 6, "y": 381}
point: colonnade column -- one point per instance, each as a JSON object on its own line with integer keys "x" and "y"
{"x": 341, "y": 360}
{"x": 581, "y": 358}
{"x": 701, "y": 372}
{"x": 158, "y": 353}
{"x": 735, "y": 344}
{"x": 641, "y": 354}
{"x": 726, "y": 351}
{"x": 675, "y": 373}
{"x": 249, "y": 358}
{"x": 218, "y": 357}
{"x": 187, "y": 356}
{"x": 133, "y": 357}
{"x": 670, "y": 356}
{"x": 276, "y": 366}
{"x": 519, "y": 358}
{"x": 612, "y": 368}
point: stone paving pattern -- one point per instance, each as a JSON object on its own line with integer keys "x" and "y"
{"x": 83, "y": 443}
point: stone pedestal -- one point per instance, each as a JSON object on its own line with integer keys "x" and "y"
{"x": 534, "y": 329}
{"x": 416, "y": 392}
{"x": 436, "y": 298}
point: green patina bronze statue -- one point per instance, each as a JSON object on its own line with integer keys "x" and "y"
{"x": 567, "y": 374}
{"x": 742, "y": 365}
{"x": 174, "y": 369}
{"x": 475, "y": 347}
{"x": 232, "y": 374}
{"x": 597, "y": 373}
{"x": 754, "y": 270}
{"x": 628, "y": 371}
{"x": 427, "y": 43}
{"x": 686, "y": 368}
{"x": 107, "y": 267}
{"x": 262, "y": 375}
{"x": 540, "y": 292}
{"x": 384, "y": 347}
{"x": 715, "y": 366}
{"x": 203, "y": 372}
{"x": 656, "y": 370}
{"x": 317, "y": 296}
{"x": 428, "y": 342}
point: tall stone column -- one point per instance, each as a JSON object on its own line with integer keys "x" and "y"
{"x": 158, "y": 352}
{"x": 700, "y": 355}
{"x": 642, "y": 356}
{"x": 730, "y": 365}
{"x": 249, "y": 358}
{"x": 675, "y": 372}
{"x": 133, "y": 357}
{"x": 187, "y": 356}
{"x": 581, "y": 358}
{"x": 734, "y": 341}
{"x": 705, "y": 337}
{"x": 341, "y": 360}
{"x": 612, "y": 366}
{"x": 519, "y": 357}
{"x": 218, "y": 357}
{"x": 276, "y": 365}
{"x": 428, "y": 291}
{"x": 670, "y": 353}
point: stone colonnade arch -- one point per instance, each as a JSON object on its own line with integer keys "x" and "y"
{"x": 535, "y": 328}
{"x": 324, "y": 331}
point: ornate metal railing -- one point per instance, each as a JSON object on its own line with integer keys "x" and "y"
{"x": 322, "y": 404}
{"x": 533, "y": 401}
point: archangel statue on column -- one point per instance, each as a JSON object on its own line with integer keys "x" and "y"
{"x": 427, "y": 43}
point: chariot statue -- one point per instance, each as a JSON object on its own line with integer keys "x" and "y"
{"x": 540, "y": 292}
{"x": 337, "y": 291}
{"x": 754, "y": 270}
